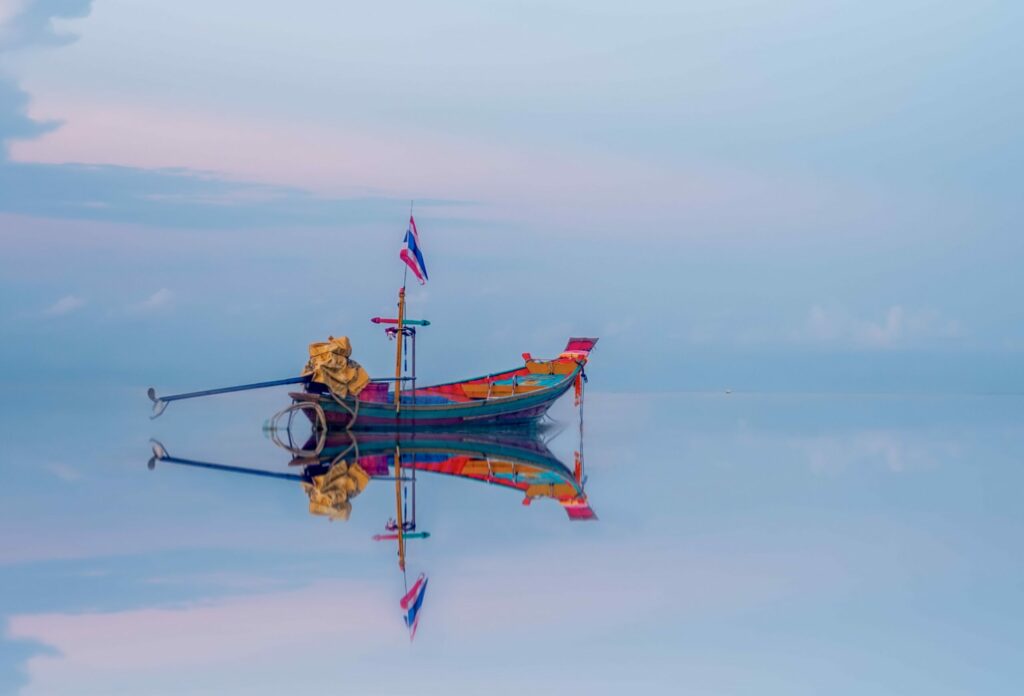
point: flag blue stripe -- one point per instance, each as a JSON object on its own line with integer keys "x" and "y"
{"x": 410, "y": 243}
{"x": 415, "y": 608}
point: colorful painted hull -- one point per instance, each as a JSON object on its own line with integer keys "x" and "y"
{"x": 514, "y": 443}
{"x": 512, "y": 459}
{"x": 509, "y": 459}
{"x": 357, "y": 413}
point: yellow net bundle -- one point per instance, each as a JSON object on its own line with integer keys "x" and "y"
{"x": 329, "y": 364}
{"x": 330, "y": 494}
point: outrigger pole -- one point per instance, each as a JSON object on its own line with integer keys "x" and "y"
{"x": 160, "y": 455}
{"x": 160, "y": 402}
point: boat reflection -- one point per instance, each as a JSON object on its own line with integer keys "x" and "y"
{"x": 335, "y": 468}
{"x": 511, "y": 460}
{"x": 347, "y": 462}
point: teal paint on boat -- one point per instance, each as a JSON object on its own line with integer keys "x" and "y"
{"x": 516, "y": 409}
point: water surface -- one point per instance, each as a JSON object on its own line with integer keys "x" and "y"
{"x": 745, "y": 544}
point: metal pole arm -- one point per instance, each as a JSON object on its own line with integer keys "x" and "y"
{"x": 160, "y": 455}
{"x": 160, "y": 402}
{"x": 414, "y": 322}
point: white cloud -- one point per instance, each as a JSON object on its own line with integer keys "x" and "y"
{"x": 159, "y": 299}
{"x": 531, "y": 594}
{"x": 830, "y": 324}
{"x": 65, "y": 305}
{"x": 892, "y": 451}
{"x": 574, "y": 188}
{"x": 93, "y": 647}
{"x": 26, "y": 23}
{"x": 618, "y": 327}
{"x": 65, "y": 473}
{"x": 8, "y": 10}
{"x": 899, "y": 326}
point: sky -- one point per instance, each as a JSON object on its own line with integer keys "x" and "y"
{"x": 788, "y": 200}
{"x": 766, "y": 196}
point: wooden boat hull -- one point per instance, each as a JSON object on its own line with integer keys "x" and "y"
{"x": 514, "y": 444}
{"x": 511, "y": 459}
{"x": 511, "y": 410}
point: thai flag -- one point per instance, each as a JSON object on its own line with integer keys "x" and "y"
{"x": 412, "y": 602}
{"x": 411, "y": 253}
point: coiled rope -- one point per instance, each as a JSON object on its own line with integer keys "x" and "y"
{"x": 274, "y": 428}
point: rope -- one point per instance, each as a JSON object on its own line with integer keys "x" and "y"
{"x": 341, "y": 456}
{"x": 321, "y": 419}
{"x": 352, "y": 412}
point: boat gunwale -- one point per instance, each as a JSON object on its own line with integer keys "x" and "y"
{"x": 468, "y": 380}
{"x": 548, "y": 462}
{"x": 561, "y": 387}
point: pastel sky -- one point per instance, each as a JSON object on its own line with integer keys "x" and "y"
{"x": 827, "y": 191}
{"x": 796, "y": 197}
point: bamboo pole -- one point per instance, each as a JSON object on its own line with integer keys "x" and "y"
{"x": 398, "y": 507}
{"x": 398, "y": 352}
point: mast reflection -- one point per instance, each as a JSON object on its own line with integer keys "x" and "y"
{"x": 333, "y": 469}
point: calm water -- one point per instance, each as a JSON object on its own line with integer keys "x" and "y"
{"x": 746, "y": 544}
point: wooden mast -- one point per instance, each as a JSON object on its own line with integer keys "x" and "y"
{"x": 398, "y": 508}
{"x": 398, "y": 352}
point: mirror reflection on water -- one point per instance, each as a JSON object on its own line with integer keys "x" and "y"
{"x": 741, "y": 539}
{"x": 334, "y": 468}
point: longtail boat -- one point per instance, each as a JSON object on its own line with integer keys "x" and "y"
{"x": 338, "y": 392}
{"x": 518, "y": 396}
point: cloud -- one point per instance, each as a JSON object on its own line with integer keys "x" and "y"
{"x": 24, "y": 24}
{"x": 14, "y": 121}
{"x": 65, "y": 473}
{"x": 549, "y": 587}
{"x": 578, "y": 190}
{"x": 178, "y": 198}
{"x": 91, "y": 646}
{"x": 30, "y": 23}
{"x": 826, "y": 325}
{"x": 14, "y": 656}
{"x": 158, "y": 300}
{"x": 898, "y": 327}
{"x": 65, "y": 305}
{"x": 166, "y": 196}
{"x": 533, "y": 594}
{"x": 887, "y": 450}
